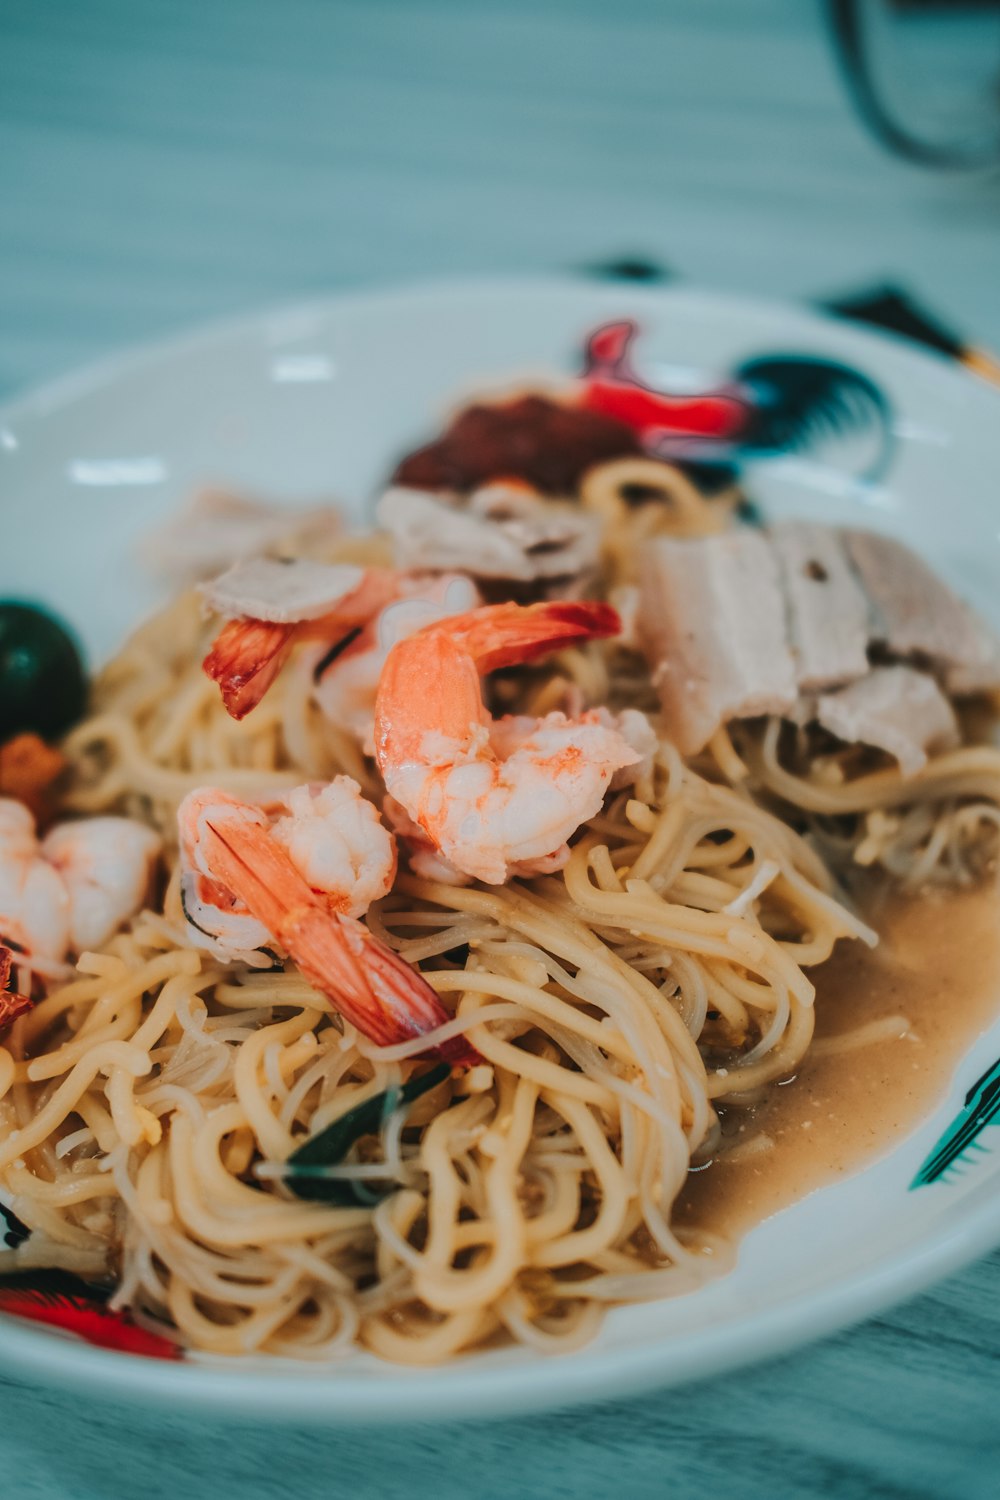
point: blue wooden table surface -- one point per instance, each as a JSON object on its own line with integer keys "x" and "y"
{"x": 167, "y": 161}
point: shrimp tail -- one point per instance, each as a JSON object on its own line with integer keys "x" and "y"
{"x": 378, "y": 992}
{"x": 441, "y": 666}
{"x": 12, "y": 1004}
{"x": 504, "y": 635}
{"x": 245, "y": 658}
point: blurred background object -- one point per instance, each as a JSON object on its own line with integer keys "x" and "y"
{"x": 925, "y": 75}
{"x": 168, "y": 161}
{"x": 164, "y": 162}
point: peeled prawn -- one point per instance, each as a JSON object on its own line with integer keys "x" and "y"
{"x": 74, "y": 888}
{"x": 271, "y": 605}
{"x": 336, "y": 842}
{"x": 493, "y": 798}
{"x": 347, "y": 687}
{"x": 302, "y": 879}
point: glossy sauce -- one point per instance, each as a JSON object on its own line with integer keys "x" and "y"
{"x": 937, "y": 967}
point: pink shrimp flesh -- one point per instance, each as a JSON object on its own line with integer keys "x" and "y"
{"x": 245, "y": 658}
{"x": 273, "y": 606}
{"x": 347, "y": 680}
{"x": 257, "y": 878}
{"x": 493, "y": 799}
{"x": 73, "y": 889}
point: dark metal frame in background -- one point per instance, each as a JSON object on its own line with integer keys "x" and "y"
{"x": 847, "y": 27}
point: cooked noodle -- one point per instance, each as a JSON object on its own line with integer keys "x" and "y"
{"x": 940, "y": 824}
{"x": 146, "y": 1105}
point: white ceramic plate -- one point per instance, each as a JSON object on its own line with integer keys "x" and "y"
{"x": 319, "y": 400}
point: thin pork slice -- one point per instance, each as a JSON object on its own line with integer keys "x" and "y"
{"x": 712, "y": 625}
{"x": 267, "y": 588}
{"x": 897, "y": 709}
{"x": 828, "y": 612}
{"x": 917, "y": 615}
{"x": 501, "y": 533}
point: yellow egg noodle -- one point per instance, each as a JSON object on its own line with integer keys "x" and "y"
{"x": 147, "y": 1105}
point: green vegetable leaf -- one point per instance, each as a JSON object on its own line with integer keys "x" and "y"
{"x": 305, "y": 1170}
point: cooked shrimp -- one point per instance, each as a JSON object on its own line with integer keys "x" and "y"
{"x": 501, "y": 798}
{"x": 34, "y": 902}
{"x": 271, "y": 605}
{"x": 347, "y": 686}
{"x": 507, "y": 735}
{"x": 336, "y": 842}
{"x": 105, "y": 864}
{"x": 216, "y": 917}
{"x": 303, "y": 882}
{"x": 75, "y": 888}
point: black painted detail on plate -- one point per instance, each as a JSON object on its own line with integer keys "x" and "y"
{"x": 795, "y": 401}
{"x": 57, "y": 1286}
{"x": 982, "y": 1106}
{"x": 773, "y": 404}
{"x": 15, "y": 1232}
{"x": 891, "y": 308}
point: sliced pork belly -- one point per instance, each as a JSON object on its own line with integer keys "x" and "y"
{"x": 828, "y": 612}
{"x": 782, "y": 622}
{"x": 556, "y": 539}
{"x": 500, "y": 533}
{"x": 266, "y": 588}
{"x": 712, "y": 622}
{"x": 897, "y": 709}
{"x": 915, "y": 614}
{"x": 429, "y": 532}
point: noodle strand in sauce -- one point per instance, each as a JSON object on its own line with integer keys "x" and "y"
{"x": 633, "y": 1013}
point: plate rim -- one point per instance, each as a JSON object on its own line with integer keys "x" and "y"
{"x": 92, "y": 373}
{"x": 457, "y": 1391}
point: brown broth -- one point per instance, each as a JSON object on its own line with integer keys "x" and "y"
{"x": 937, "y": 966}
